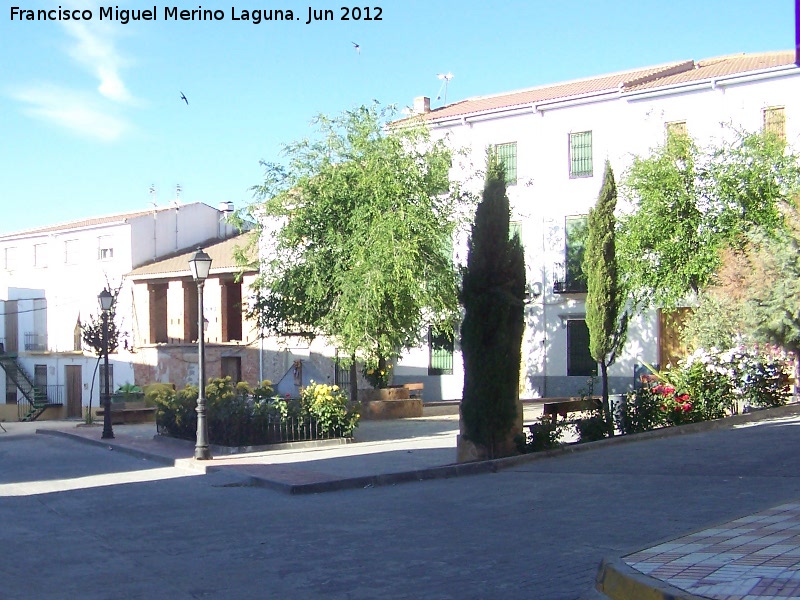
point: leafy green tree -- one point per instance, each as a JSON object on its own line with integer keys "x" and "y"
{"x": 493, "y": 297}
{"x": 770, "y": 272}
{"x": 690, "y": 204}
{"x": 605, "y": 315}
{"x": 358, "y": 226}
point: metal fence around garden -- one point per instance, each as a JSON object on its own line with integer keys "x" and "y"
{"x": 258, "y": 432}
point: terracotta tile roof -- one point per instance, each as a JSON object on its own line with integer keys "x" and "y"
{"x": 177, "y": 265}
{"x": 649, "y": 77}
{"x": 719, "y": 67}
{"x": 89, "y": 222}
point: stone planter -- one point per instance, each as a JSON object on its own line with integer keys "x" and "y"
{"x": 388, "y": 403}
{"x": 391, "y": 393}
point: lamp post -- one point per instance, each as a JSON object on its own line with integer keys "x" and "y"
{"x": 200, "y": 265}
{"x": 106, "y": 300}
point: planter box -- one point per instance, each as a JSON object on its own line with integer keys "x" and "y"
{"x": 405, "y": 408}
{"x": 392, "y": 393}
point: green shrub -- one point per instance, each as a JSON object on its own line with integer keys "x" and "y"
{"x": 708, "y": 392}
{"x": 591, "y": 428}
{"x": 641, "y": 411}
{"x": 176, "y": 410}
{"x": 152, "y": 390}
{"x": 328, "y": 406}
{"x": 545, "y": 434}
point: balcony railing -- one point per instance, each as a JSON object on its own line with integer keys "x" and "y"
{"x": 569, "y": 286}
{"x": 35, "y": 342}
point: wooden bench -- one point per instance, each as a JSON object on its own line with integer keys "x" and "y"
{"x": 414, "y": 389}
{"x": 561, "y": 407}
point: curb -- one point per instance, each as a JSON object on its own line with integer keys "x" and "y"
{"x": 619, "y": 581}
{"x": 445, "y": 471}
{"x": 164, "y": 460}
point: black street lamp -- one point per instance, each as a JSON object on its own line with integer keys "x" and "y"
{"x": 200, "y": 265}
{"x": 106, "y": 300}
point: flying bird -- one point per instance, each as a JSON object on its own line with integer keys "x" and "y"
{"x": 357, "y": 47}
{"x": 183, "y": 97}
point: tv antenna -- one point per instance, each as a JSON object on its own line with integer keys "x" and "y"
{"x": 445, "y": 79}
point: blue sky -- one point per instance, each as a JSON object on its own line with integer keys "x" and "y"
{"x": 91, "y": 115}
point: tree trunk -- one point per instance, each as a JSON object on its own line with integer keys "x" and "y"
{"x": 606, "y": 404}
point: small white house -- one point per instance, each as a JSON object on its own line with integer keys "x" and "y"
{"x": 50, "y": 278}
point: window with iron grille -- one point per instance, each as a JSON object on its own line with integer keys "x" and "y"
{"x": 507, "y": 155}
{"x": 579, "y": 359}
{"x": 677, "y": 128}
{"x": 576, "y": 229}
{"x": 442, "y": 345}
{"x": 105, "y": 248}
{"x": 580, "y": 154}
{"x": 775, "y": 121}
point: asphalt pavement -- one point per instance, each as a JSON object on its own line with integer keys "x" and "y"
{"x": 84, "y": 518}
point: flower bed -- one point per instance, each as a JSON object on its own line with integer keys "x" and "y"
{"x": 708, "y": 384}
{"x": 239, "y": 415}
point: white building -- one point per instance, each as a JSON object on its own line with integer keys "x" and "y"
{"x": 554, "y": 141}
{"x": 49, "y": 281}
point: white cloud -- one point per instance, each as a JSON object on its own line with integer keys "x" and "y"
{"x": 78, "y": 112}
{"x": 95, "y": 49}
{"x": 93, "y": 114}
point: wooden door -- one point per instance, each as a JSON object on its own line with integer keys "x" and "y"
{"x": 74, "y": 389}
{"x": 12, "y": 328}
{"x": 670, "y": 327}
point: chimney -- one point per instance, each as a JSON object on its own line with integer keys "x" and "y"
{"x": 422, "y": 105}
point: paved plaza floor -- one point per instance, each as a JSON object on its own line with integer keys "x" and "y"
{"x": 137, "y": 518}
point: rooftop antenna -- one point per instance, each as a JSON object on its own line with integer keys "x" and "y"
{"x": 152, "y": 192}
{"x": 445, "y": 79}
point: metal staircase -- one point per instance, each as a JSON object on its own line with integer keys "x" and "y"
{"x": 36, "y": 399}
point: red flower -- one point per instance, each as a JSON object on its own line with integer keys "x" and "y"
{"x": 659, "y": 389}
{"x": 663, "y": 407}
{"x": 668, "y": 389}
{"x": 683, "y": 397}
{"x": 686, "y": 406}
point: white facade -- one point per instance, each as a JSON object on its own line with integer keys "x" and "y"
{"x": 627, "y": 115}
{"x": 50, "y": 278}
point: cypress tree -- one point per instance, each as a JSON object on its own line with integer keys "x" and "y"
{"x": 604, "y": 300}
{"x": 493, "y": 297}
